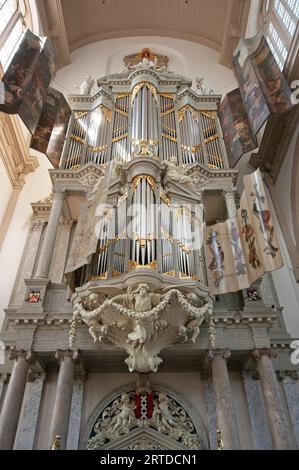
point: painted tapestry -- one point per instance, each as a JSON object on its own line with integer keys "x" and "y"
{"x": 240, "y": 250}
{"x": 49, "y": 135}
{"x": 236, "y": 129}
{"x": 86, "y": 239}
{"x": 27, "y": 79}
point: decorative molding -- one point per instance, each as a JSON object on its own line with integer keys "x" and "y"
{"x": 14, "y": 151}
{"x": 235, "y": 29}
{"x": 53, "y": 25}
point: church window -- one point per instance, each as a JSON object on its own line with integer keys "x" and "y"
{"x": 12, "y": 26}
{"x": 280, "y": 20}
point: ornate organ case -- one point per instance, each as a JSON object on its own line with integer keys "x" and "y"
{"x": 160, "y": 135}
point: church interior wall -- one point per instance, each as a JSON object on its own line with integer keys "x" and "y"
{"x": 5, "y": 190}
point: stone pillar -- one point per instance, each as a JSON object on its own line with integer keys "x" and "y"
{"x": 291, "y": 390}
{"x": 28, "y": 421}
{"x": 223, "y": 400}
{"x": 230, "y": 201}
{"x": 4, "y": 379}
{"x": 76, "y": 412}
{"x": 256, "y": 410}
{"x": 46, "y": 253}
{"x": 276, "y": 418}
{"x": 63, "y": 400}
{"x": 211, "y": 411}
{"x": 13, "y": 399}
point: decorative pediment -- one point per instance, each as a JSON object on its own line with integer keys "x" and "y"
{"x": 145, "y": 419}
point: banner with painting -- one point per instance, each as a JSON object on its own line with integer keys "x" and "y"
{"x": 263, "y": 89}
{"x": 240, "y": 250}
{"x": 51, "y": 128}
{"x": 27, "y": 79}
{"x": 43, "y": 110}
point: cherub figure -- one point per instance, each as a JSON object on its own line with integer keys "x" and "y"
{"x": 176, "y": 173}
{"x": 162, "y": 416}
{"x": 122, "y": 422}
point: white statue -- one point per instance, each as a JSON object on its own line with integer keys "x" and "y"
{"x": 202, "y": 86}
{"x": 139, "y": 300}
{"x": 122, "y": 422}
{"x": 177, "y": 173}
{"x": 162, "y": 417}
{"x": 87, "y": 85}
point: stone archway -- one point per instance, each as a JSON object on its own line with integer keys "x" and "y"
{"x": 154, "y": 420}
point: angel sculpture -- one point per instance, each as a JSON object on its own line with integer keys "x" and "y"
{"x": 202, "y": 86}
{"x": 121, "y": 423}
{"x": 88, "y": 309}
{"x": 87, "y": 85}
{"x": 162, "y": 417}
{"x": 177, "y": 173}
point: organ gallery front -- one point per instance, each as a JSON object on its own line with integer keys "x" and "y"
{"x": 144, "y": 315}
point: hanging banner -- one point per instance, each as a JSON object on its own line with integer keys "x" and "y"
{"x": 85, "y": 241}
{"x": 262, "y": 90}
{"x": 240, "y": 250}
{"x": 27, "y": 79}
{"x": 263, "y": 86}
{"x": 51, "y": 129}
{"x": 237, "y": 133}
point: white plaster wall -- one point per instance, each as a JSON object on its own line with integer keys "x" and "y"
{"x": 5, "y": 190}
{"x": 106, "y": 57}
{"x": 37, "y": 186}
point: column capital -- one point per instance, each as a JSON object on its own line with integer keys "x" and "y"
{"x": 224, "y": 353}
{"x": 61, "y": 354}
{"x": 58, "y": 193}
{"x": 229, "y": 193}
{"x": 263, "y": 352}
{"x": 21, "y": 353}
{"x": 37, "y": 224}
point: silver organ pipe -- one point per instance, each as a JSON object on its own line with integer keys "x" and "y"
{"x": 166, "y": 238}
{"x": 143, "y": 242}
{"x": 144, "y": 119}
{"x": 120, "y": 128}
{"x": 211, "y": 139}
{"x": 168, "y": 122}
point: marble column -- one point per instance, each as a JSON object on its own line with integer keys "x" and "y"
{"x": 291, "y": 390}
{"x": 211, "y": 411}
{"x": 76, "y": 412}
{"x": 63, "y": 399}
{"x": 256, "y": 410}
{"x": 46, "y": 253}
{"x": 276, "y": 418}
{"x": 4, "y": 379}
{"x": 230, "y": 201}
{"x": 28, "y": 421}
{"x": 12, "y": 404}
{"x": 226, "y": 422}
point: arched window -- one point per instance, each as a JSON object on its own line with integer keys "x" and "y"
{"x": 280, "y": 22}
{"x": 14, "y": 18}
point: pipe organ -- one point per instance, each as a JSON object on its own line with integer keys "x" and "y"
{"x": 139, "y": 122}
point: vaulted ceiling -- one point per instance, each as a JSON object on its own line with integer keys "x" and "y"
{"x": 75, "y": 23}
